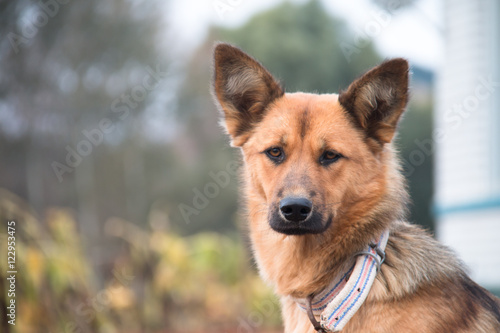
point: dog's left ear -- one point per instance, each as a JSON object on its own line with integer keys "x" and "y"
{"x": 243, "y": 88}
{"x": 378, "y": 98}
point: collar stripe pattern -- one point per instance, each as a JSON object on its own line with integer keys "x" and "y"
{"x": 354, "y": 294}
{"x": 319, "y": 305}
{"x": 349, "y": 300}
{"x": 344, "y": 296}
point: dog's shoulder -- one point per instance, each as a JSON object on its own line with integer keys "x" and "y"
{"x": 420, "y": 270}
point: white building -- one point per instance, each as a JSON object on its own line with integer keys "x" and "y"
{"x": 467, "y": 137}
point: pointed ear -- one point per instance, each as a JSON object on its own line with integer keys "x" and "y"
{"x": 377, "y": 99}
{"x": 243, "y": 88}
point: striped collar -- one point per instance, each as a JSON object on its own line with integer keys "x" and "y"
{"x": 338, "y": 302}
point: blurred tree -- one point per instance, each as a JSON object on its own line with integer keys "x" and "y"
{"x": 303, "y": 47}
{"x": 416, "y": 147}
{"x": 73, "y": 82}
{"x": 392, "y": 5}
{"x": 65, "y": 61}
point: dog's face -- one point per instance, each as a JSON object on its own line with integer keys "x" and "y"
{"x": 310, "y": 159}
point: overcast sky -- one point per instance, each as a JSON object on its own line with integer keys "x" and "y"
{"x": 413, "y": 33}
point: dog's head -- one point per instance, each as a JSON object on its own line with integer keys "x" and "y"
{"x": 314, "y": 163}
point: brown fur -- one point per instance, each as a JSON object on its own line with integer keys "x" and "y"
{"x": 421, "y": 287}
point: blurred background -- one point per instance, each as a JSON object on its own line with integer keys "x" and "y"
{"x": 124, "y": 189}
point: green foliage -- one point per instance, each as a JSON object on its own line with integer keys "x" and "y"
{"x": 157, "y": 281}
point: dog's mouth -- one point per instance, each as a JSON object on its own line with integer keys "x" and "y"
{"x": 314, "y": 224}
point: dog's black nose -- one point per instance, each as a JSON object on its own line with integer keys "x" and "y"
{"x": 295, "y": 209}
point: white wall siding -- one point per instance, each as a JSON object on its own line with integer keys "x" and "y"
{"x": 475, "y": 237}
{"x": 467, "y": 114}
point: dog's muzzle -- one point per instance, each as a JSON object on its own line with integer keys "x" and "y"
{"x": 297, "y": 216}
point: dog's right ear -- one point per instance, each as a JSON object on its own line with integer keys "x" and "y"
{"x": 243, "y": 88}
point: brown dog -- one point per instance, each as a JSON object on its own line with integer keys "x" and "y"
{"x": 322, "y": 184}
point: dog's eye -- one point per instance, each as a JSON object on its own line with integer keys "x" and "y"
{"x": 275, "y": 154}
{"x": 329, "y": 157}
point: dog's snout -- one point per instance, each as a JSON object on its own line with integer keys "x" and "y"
{"x": 295, "y": 209}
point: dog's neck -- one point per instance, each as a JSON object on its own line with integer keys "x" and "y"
{"x": 298, "y": 266}
{"x": 346, "y": 293}
{"x": 301, "y": 266}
